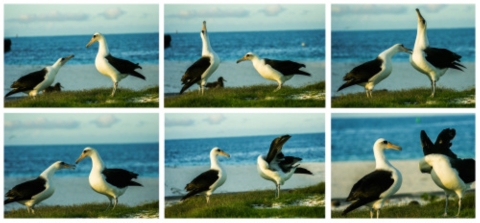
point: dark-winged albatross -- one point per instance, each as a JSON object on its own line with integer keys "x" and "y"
{"x": 204, "y": 67}
{"x": 110, "y": 66}
{"x": 433, "y": 62}
{"x": 275, "y": 70}
{"x": 32, "y": 192}
{"x": 109, "y": 182}
{"x": 37, "y": 81}
{"x": 216, "y": 84}
{"x": 374, "y": 188}
{"x": 55, "y": 88}
{"x": 209, "y": 180}
{"x": 452, "y": 174}
{"x": 372, "y": 72}
{"x": 277, "y": 167}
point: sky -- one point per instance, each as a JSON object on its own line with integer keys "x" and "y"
{"x": 244, "y": 17}
{"x": 63, "y": 128}
{"x": 201, "y": 125}
{"x": 80, "y": 19}
{"x": 390, "y": 16}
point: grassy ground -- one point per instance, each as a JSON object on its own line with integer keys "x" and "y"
{"x": 93, "y": 210}
{"x": 90, "y": 98}
{"x": 431, "y": 210}
{"x": 252, "y": 96}
{"x": 255, "y": 204}
{"x": 413, "y": 98}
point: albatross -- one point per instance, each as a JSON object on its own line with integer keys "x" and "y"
{"x": 109, "y": 182}
{"x": 55, "y": 88}
{"x": 110, "y": 66}
{"x": 454, "y": 175}
{"x": 433, "y": 62}
{"x": 374, "y": 188}
{"x": 210, "y": 180}
{"x": 37, "y": 81}
{"x": 216, "y": 84}
{"x": 204, "y": 67}
{"x": 277, "y": 167}
{"x": 372, "y": 72}
{"x": 34, "y": 191}
{"x": 279, "y": 71}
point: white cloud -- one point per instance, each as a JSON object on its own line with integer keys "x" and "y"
{"x": 105, "y": 121}
{"x": 54, "y": 16}
{"x": 113, "y": 13}
{"x": 433, "y": 8}
{"x": 340, "y": 10}
{"x": 215, "y": 12}
{"x": 215, "y": 119}
{"x": 272, "y": 10}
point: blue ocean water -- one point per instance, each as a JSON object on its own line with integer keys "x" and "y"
{"x": 354, "y": 46}
{"x": 353, "y": 138}
{"x": 141, "y": 48}
{"x": 231, "y": 46}
{"x": 28, "y": 161}
{"x": 242, "y": 150}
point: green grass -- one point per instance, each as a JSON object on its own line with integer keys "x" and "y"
{"x": 91, "y": 210}
{"x": 90, "y": 98}
{"x": 413, "y": 98}
{"x": 252, "y": 96}
{"x": 243, "y": 205}
{"x": 431, "y": 210}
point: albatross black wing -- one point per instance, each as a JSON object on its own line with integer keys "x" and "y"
{"x": 362, "y": 73}
{"x": 120, "y": 178}
{"x": 25, "y": 190}
{"x": 465, "y": 169}
{"x": 28, "y": 82}
{"x": 201, "y": 183}
{"x": 286, "y": 67}
{"x": 276, "y": 147}
{"x": 442, "y": 144}
{"x": 124, "y": 66}
{"x": 194, "y": 73}
{"x": 443, "y": 58}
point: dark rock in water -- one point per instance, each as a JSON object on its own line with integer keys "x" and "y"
{"x": 7, "y": 43}
{"x": 166, "y": 41}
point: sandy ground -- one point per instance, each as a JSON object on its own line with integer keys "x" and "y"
{"x": 76, "y": 190}
{"x": 404, "y": 76}
{"x": 238, "y": 75}
{"x": 79, "y": 77}
{"x": 346, "y": 174}
{"x": 239, "y": 179}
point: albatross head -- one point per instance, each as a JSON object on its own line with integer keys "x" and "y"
{"x": 382, "y": 144}
{"x": 248, "y": 56}
{"x": 62, "y": 165}
{"x": 217, "y": 151}
{"x": 421, "y": 21}
{"x": 61, "y": 61}
{"x": 87, "y": 152}
{"x": 95, "y": 38}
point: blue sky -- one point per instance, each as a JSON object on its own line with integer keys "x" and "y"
{"x": 391, "y": 16}
{"x": 244, "y": 17}
{"x": 192, "y": 125}
{"x": 65, "y": 128}
{"x": 79, "y": 19}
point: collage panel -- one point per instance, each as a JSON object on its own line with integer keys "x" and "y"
{"x": 81, "y": 55}
{"x": 403, "y": 165}
{"x": 70, "y": 165}
{"x": 403, "y": 56}
{"x": 240, "y": 168}
{"x": 244, "y": 55}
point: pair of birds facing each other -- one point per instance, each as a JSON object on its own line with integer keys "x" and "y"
{"x": 110, "y": 182}
{"x": 275, "y": 70}
{"x": 433, "y": 62}
{"x": 108, "y": 65}
{"x": 274, "y": 167}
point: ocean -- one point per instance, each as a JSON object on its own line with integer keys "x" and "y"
{"x": 242, "y": 150}
{"x": 142, "y": 48}
{"x": 231, "y": 46}
{"x": 353, "y": 138}
{"x": 30, "y": 161}
{"x": 355, "y": 46}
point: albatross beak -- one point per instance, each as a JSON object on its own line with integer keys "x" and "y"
{"x": 91, "y": 42}
{"x": 393, "y": 146}
{"x": 69, "y": 166}
{"x": 224, "y": 154}
{"x": 82, "y": 156}
{"x": 420, "y": 17}
{"x": 67, "y": 58}
{"x": 241, "y": 59}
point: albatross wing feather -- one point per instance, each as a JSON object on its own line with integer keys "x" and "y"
{"x": 287, "y": 67}
{"x": 194, "y": 72}
{"x": 443, "y": 58}
{"x": 25, "y": 190}
{"x": 362, "y": 73}
{"x": 120, "y": 178}
{"x": 124, "y": 66}
{"x": 201, "y": 183}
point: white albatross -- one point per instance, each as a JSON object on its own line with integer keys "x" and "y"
{"x": 203, "y": 68}
{"x": 37, "y": 81}
{"x": 374, "y": 188}
{"x": 433, "y": 62}
{"x": 452, "y": 174}
{"x": 110, "y": 182}
{"x": 110, "y": 66}
{"x": 34, "y": 191}
{"x": 210, "y": 180}
{"x": 372, "y": 72}
{"x": 277, "y": 167}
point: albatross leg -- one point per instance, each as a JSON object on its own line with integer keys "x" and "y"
{"x": 378, "y": 213}
{"x": 277, "y": 192}
{"x": 434, "y": 86}
{"x": 371, "y": 212}
{"x": 459, "y": 206}
{"x": 115, "y": 85}
{"x": 279, "y": 86}
{"x": 446, "y": 205}
{"x": 109, "y": 204}
{"x": 115, "y": 201}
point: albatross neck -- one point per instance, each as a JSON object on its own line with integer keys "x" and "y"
{"x": 103, "y": 46}
{"x": 214, "y": 162}
{"x": 97, "y": 162}
{"x": 206, "y": 47}
{"x": 380, "y": 161}
{"x": 421, "y": 41}
{"x": 48, "y": 173}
